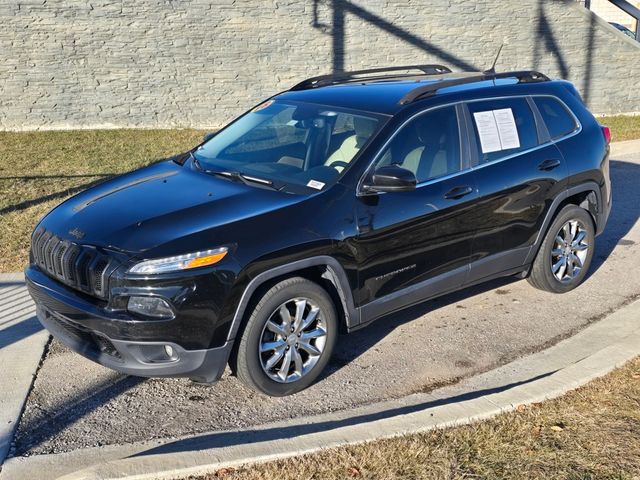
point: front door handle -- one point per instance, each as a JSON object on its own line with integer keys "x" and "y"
{"x": 549, "y": 165}
{"x": 458, "y": 192}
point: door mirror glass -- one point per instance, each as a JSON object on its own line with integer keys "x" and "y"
{"x": 208, "y": 136}
{"x": 390, "y": 178}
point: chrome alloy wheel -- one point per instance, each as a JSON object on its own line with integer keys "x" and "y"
{"x": 569, "y": 251}
{"x": 292, "y": 340}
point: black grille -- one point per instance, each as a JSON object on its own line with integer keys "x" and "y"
{"x": 77, "y": 266}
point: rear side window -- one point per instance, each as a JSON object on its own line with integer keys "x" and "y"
{"x": 503, "y": 127}
{"x": 558, "y": 119}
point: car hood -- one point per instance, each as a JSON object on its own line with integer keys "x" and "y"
{"x": 158, "y": 204}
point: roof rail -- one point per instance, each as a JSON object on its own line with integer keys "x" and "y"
{"x": 345, "y": 77}
{"x": 524, "y": 76}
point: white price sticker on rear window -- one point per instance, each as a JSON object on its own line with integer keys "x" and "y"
{"x": 315, "y": 184}
{"x": 497, "y": 130}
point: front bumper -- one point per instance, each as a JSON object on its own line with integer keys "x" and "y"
{"x": 83, "y": 327}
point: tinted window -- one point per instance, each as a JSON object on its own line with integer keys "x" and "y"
{"x": 519, "y": 117}
{"x": 555, "y": 115}
{"x": 429, "y": 145}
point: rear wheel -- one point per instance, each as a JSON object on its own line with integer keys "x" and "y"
{"x": 566, "y": 252}
{"x": 288, "y": 339}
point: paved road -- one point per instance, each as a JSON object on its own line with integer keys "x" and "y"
{"x": 76, "y": 403}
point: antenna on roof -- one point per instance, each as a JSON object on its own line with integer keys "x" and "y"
{"x": 492, "y": 70}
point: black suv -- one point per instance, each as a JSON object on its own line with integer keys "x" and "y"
{"x": 344, "y": 199}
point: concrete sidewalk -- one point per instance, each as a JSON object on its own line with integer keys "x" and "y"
{"x": 627, "y": 147}
{"x": 575, "y": 361}
{"x": 22, "y": 342}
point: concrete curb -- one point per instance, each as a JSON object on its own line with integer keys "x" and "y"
{"x": 22, "y": 342}
{"x": 571, "y": 363}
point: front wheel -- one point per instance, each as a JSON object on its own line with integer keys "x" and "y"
{"x": 288, "y": 339}
{"x": 566, "y": 252}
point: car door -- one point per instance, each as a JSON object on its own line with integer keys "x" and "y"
{"x": 416, "y": 244}
{"x": 518, "y": 175}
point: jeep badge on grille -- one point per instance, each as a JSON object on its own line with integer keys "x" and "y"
{"x": 76, "y": 232}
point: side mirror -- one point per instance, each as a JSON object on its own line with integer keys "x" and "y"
{"x": 208, "y": 136}
{"x": 391, "y": 178}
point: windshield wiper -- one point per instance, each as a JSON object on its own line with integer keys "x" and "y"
{"x": 246, "y": 179}
{"x": 238, "y": 176}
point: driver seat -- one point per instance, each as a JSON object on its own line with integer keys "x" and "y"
{"x": 428, "y": 159}
{"x": 363, "y": 128}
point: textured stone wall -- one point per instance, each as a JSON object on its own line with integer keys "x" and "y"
{"x": 165, "y": 63}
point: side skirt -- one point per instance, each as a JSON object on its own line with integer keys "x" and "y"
{"x": 496, "y": 266}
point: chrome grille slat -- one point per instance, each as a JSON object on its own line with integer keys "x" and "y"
{"x": 36, "y": 242}
{"x": 68, "y": 261}
{"x": 56, "y": 257}
{"x": 43, "y": 243}
{"x": 91, "y": 268}
{"x": 48, "y": 251}
{"x": 83, "y": 268}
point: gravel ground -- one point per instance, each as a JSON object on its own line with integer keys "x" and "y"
{"x": 76, "y": 403}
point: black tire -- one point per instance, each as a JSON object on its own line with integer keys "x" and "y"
{"x": 542, "y": 275}
{"x": 249, "y": 361}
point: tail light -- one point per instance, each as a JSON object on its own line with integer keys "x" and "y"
{"x": 606, "y": 131}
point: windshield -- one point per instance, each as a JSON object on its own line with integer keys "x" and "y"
{"x": 289, "y": 143}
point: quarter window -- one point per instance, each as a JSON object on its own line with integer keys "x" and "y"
{"x": 503, "y": 127}
{"x": 555, "y": 115}
{"x": 428, "y": 146}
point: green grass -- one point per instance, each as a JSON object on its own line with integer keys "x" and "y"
{"x": 590, "y": 433}
{"x": 40, "y": 169}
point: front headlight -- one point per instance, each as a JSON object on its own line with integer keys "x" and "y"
{"x": 180, "y": 262}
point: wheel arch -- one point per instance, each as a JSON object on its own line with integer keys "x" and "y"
{"x": 324, "y": 270}
{"x": 586, "y": 195}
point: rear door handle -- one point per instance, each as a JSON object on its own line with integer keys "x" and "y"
{"x": 458, "y": 192}
{"x": 549, "y": 165}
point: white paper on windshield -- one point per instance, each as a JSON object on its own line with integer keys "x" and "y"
{"x": 507, "y": 128}
{"x": 497, "y": 130}
{"x": 488, "y": 131}
{"x": 315, "y": 184}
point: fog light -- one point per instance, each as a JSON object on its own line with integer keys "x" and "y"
{"x": 168, "y": 349}
{"x": 154, "y": 307}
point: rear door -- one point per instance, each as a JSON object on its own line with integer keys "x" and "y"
{"x": 519, "y": 171}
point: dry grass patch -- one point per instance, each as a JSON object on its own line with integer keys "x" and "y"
{"x": 38, "y": 170}
{"x": 622, "y": 127}
{"x": 590, "y": 433}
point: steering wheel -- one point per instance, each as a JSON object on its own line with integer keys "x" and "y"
{"x": 339, "y": 163}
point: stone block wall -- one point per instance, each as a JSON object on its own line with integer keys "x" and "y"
{"x": 198, "y": 63}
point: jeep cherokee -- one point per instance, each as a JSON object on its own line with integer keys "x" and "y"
{"x": 344, "y": 199}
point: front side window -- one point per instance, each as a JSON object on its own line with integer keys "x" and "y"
{"x": 290, "y": 143}
{"x": 428, "y": 146}
{"x": 503, "y": 127}
{"x": 558, "y": 120}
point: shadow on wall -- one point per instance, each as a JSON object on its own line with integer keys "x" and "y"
{"x": 340, "y": 8}
{"x": 546, "y": 40}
